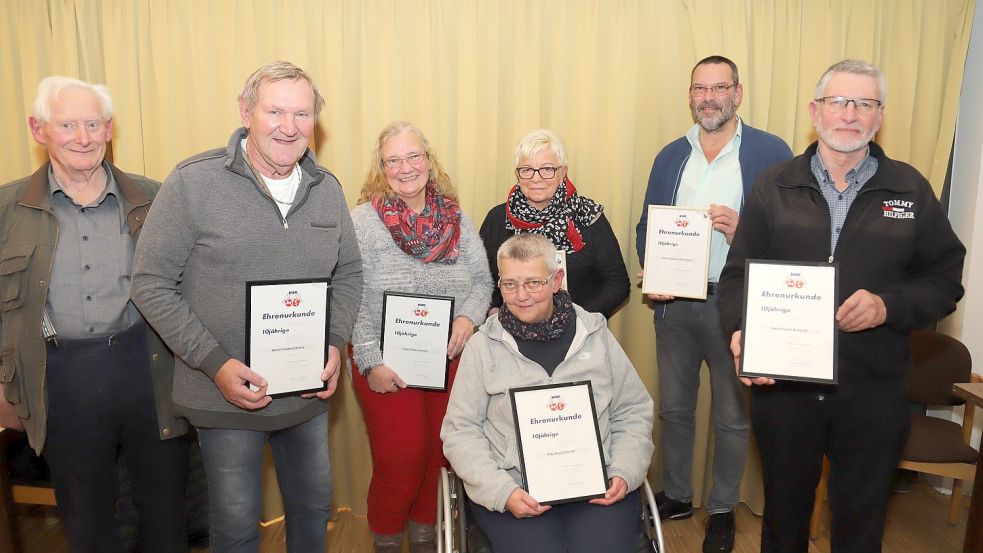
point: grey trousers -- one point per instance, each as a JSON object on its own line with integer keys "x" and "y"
{"x": 690, "y": 333}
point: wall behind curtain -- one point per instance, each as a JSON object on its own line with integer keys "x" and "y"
{"x": 611, "y": 77}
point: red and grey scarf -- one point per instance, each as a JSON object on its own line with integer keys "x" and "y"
{"x": 431, "y": 236}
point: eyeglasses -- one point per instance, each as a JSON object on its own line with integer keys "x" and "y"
{"x": 531, "y": 286}
{"x": 713, "y": 90}
{"x": 396, "y": 162}
{"x": 838, "y": 104}
{"x": 545, "y": 173}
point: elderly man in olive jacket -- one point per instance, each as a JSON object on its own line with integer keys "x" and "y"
{"x": 82, "y": 372}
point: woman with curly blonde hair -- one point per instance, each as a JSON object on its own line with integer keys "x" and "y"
{"x": 414, "y": 239}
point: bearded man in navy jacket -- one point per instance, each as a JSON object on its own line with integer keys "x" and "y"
{"x": 714, "y": 165}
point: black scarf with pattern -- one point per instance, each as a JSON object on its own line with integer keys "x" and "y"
{"x": 550, "y": 329}
{"x": 561, "y": 221}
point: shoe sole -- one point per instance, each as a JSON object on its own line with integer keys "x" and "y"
{"x": 678, "y": 516}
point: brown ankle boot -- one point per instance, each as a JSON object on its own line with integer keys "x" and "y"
{"x": 387, "y": 543}
{"x": 422, "y": 538}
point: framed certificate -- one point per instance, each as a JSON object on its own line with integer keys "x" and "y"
{"x": 790, "y": 321}
{"x": 559, "y": 442}
{"x": 415, "y": 331}
{"x": 677, "y": 251}
{"x": 561, "y": 263}
{"x": 287, "y": 324}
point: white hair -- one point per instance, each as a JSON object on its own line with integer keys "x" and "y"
{"x": 51, "y": 87}
{"x": 536, "y": 141}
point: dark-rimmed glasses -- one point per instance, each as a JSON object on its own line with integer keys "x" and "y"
{"x": 545, "y": 173}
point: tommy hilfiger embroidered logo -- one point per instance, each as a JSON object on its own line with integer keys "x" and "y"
{"x": 898, "y": 209}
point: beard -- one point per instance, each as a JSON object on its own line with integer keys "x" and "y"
{"x": 711, "y": 123}
{"x": 843, "y": 146}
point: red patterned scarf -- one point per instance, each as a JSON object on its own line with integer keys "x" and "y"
{"x": 431, "y": 236}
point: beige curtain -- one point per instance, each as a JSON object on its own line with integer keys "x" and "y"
{"x": 609, "y": 76}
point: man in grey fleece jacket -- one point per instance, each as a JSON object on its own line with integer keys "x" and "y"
{"x": 260, "y": 209}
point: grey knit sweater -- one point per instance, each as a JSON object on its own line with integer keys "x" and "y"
{"x": 212, "y": 228}
{"x": 389, "y": 269}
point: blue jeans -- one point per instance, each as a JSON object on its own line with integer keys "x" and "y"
{"x": 234, "y": 467}
{"x": 689, "y": 334}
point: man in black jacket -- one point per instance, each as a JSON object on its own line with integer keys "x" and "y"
{"x": 900, "y": 269}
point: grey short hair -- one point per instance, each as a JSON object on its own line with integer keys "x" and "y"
{"x": 856, "y": 67}
{"x": 51, "y": 87}
{"x": 271, "y": 73}
{"x": 536, "y": 141}
{"x": 528, "y": 246}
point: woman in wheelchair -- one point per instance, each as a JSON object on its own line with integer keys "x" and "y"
{"x": 540, "y": 337}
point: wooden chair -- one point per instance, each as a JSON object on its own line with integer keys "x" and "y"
{"x": 935, "y": 446}
{"x": 14, "y": 490}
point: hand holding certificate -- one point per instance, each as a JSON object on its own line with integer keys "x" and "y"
{"x": 415, "y": 330}
{"x": 287, "y": 325}
{"x": 677, "y": 252}
{"x": 559, "y": 442}
{"x": 789, "y": 321}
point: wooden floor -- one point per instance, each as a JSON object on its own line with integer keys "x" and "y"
{"x": 916, "y": 524}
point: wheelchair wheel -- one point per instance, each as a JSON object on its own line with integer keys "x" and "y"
{"x": 451, "y": 514}
{"x": 651, "y": 524}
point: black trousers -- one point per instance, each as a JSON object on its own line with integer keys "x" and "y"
{"x": 863, "y": 436}
{"x": 101, "y": 407}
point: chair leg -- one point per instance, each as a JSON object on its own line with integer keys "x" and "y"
{"x": 817, "y": 505}
{"x": 955, "y": 502}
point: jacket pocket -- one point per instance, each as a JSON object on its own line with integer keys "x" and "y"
{"x": 14, "y": 261}
{"x": 324, "y": 224}
{"x": 9, "y": 363}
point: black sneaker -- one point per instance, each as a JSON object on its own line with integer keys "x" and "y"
{"x": 720, "y": 533}
{"x": 672, "y": 509}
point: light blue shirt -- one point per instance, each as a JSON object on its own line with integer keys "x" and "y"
{"x": 717, "y": 182}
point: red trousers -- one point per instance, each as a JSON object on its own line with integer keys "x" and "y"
{"x": 407, "y": 454}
